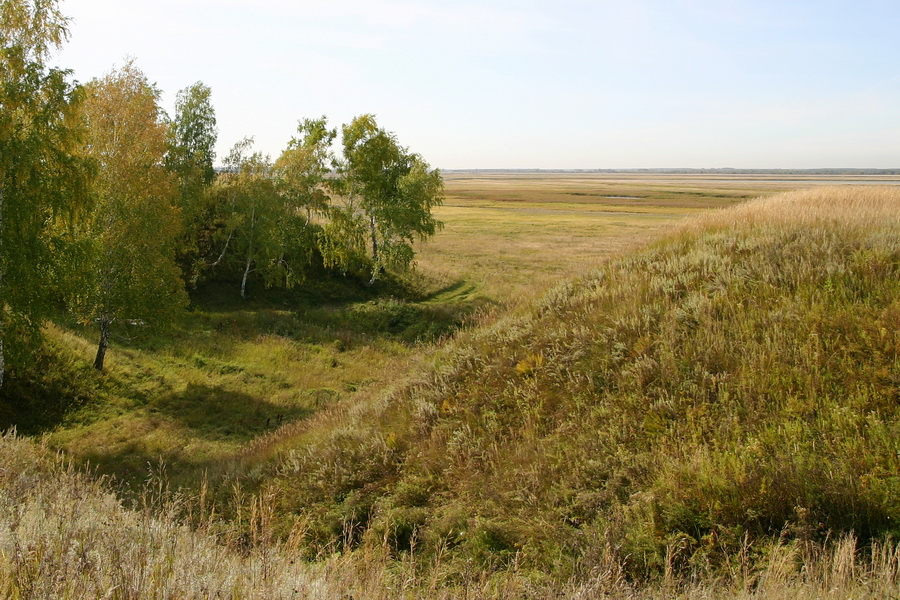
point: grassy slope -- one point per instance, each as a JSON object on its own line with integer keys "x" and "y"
{"x": 63, "y": 534}
{"x": 228, "y": 372}
{"x": 734, "y": 383}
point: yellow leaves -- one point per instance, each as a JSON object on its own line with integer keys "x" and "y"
{"x": 126, "y": 132}
{"x": 529, "y": 365}
{"x": 392, "y": 441}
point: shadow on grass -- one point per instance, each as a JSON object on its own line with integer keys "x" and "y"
{"x": 459, "y": 291}
{"x": 224, "y": 295}
{"x": 43, "y": 387}
{"x": 217, "y": 413}
{"x": 166, "y": 433}
{"x": 332, "y": 310}
{"x": 398, "y": 320}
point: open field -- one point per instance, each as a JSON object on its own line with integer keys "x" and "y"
{"x": 511, "y": 234}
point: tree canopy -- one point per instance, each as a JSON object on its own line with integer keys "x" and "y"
{"x": 253, "y": 213}
{"x": 388, "y": 190}
{"x": 190, "y": 154}
{"x": 109, "y": 206}
{"x": 41, "y": 176}
{"x": 129, "y": 275}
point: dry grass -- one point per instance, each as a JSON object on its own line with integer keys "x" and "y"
{"x": 834, "y": 207}
{"x": 511, "y": 236}
{"x": 64, "y": 535}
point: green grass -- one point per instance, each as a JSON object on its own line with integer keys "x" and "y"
{"x": 232, "y": 371}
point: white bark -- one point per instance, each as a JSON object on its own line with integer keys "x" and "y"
{"x": 224, "y": 250}
{"x": 2, "y": 283}
{"x": 249, "y": 254}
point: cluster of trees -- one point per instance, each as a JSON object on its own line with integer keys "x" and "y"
{"x": 114, "y": 208}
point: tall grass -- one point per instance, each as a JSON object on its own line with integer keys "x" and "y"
{"x": 63, "y": 534}
{"x": 733, "y": 385}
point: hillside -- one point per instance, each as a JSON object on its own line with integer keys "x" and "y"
{"x": 715, "y": 414}
{"x": 679, "y": 410}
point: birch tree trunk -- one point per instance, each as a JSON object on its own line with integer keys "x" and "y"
{"x": 104, "y": 343}
{"x": 249, "y": 255}
{"x": 244, "y": 278}
{"x": 374, "y": 233}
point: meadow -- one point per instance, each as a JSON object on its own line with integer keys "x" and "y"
{"x": 592, "y": 385}
{"x": 507, "y": 234}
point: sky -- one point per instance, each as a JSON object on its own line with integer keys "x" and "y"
{"x": 561, "y": 84}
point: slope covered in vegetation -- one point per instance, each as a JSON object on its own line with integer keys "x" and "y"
{"x": 227, "y": 371}
{"x": 63, "y": 534}
{"x": 679, "y": 410}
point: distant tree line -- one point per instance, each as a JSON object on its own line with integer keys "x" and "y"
{"x": 113, "y": 208}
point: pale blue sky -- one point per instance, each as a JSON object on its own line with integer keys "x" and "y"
{"x": 531, "y": 84}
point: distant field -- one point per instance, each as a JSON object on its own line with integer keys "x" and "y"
{"x": 507, "y": 234}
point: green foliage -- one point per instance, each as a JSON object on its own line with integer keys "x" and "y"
{"x": 190, "y": 152}
{"x": 191, "y": 139}
{"x": 343, "y": 240}
{"x": 275, "y": 222}
{"x": 262, "y": 230}
{"x": 388, "y": 196}
{"x": 128, "y": 275}
{"x": 303, "y": 167}
{"x": 41, "y": 180}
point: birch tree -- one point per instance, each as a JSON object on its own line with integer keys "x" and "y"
{"x": 251, "y": 215}
{"x": 41, "y": 179}
{"x": 190, "y": 154}
{"x": 129, "y": 273}
{"x": 303, "y": 171}
{"x": 389, "y": 191}
{"x": 304, "y": 165}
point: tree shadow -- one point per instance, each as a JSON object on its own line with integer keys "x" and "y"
{"x": 218, "y": 413}
{"x": 215, "y": 416}
{"x": 459, "y": 290}
{"x": 42, "y": 387}
{"x": 331, "y": 312}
